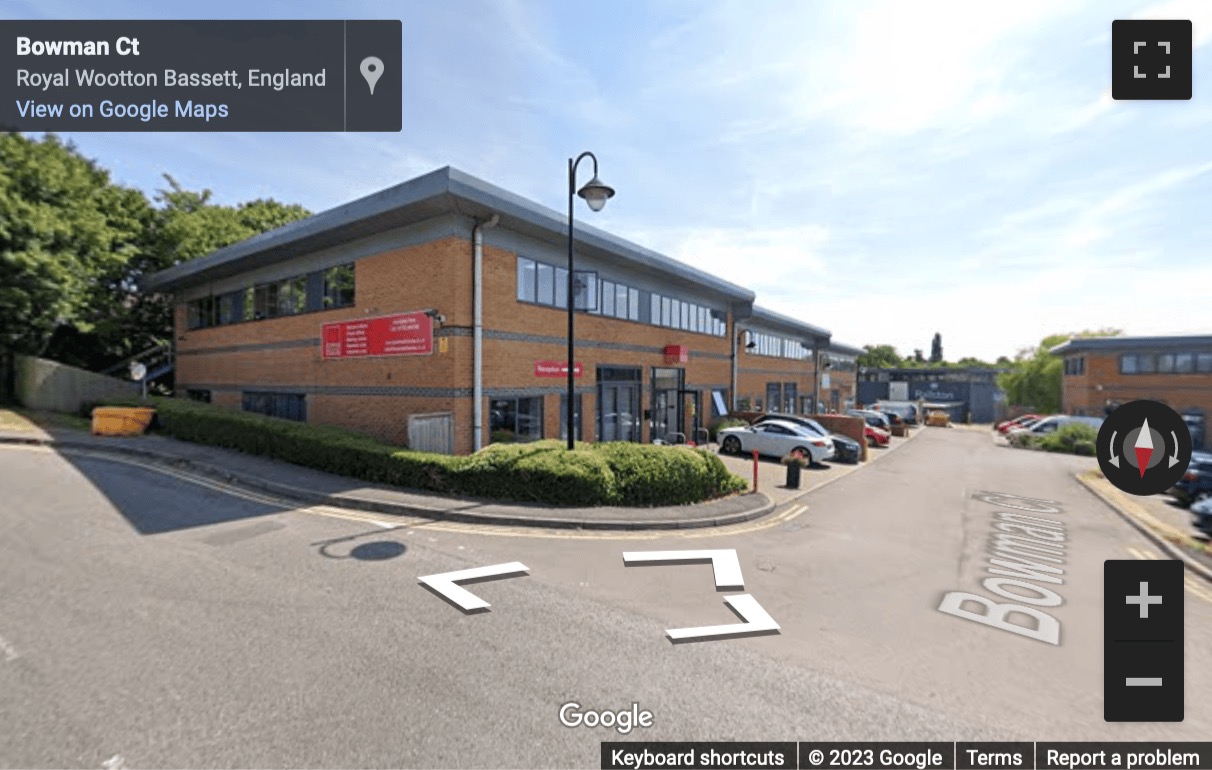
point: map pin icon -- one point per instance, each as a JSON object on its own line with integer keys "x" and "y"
{"x": 372, "y": 70}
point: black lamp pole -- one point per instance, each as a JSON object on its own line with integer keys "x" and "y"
{"x": 595, "y": 194}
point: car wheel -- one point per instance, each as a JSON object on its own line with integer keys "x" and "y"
{"x": 1200, "y": 496}
{"x": 731, "y": 445}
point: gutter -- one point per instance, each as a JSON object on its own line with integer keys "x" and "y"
{"x": 477, "y": 310}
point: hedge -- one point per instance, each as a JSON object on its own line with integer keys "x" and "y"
{"x": 611, "y": 473}
{"x": 1075, "y": 438}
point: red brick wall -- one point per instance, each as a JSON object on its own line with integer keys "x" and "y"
{"x": 437, "y": 275}
{"x": 1178, "y": 391}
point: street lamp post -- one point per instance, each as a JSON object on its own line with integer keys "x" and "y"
{"x": 595, "y": 194}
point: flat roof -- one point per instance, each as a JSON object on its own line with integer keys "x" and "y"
{"x": 445, "y": 191}
{"x": 771, "y": 318}
{"x": 846, "y": 350}
{"x": 1110, "y": 344}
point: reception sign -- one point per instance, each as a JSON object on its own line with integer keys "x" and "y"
{"x": 556, "y": 369}
{"x": 405, "y": 334}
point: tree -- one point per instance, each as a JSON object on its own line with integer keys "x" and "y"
{"x": 936, "y": 349}
{"x": 64, "y": 227}
{"x": 1035, "y": 379}
{"x": 917, "y": 360}
{"x": 879, "y": 357}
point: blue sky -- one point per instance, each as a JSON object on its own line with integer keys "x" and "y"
{"x": 883, "y": 169}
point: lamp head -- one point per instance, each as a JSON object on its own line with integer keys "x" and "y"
{"x": 596, "y": 193}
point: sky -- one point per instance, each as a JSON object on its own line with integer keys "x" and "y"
{"x": 886, "y": 170}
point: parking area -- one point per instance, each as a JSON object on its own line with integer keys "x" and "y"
{"x": 772, "y": 474}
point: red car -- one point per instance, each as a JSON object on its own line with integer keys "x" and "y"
{"x": 1017, "y": 422}
{"x": 876, "y": 436}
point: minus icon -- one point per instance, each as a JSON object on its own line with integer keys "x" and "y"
{"x": 1144, "y": 681}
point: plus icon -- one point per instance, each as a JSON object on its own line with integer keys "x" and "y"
{"x": 1151, "y": 59}
{"x": 1144, "y": 600}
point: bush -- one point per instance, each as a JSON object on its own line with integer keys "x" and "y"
{"x": 1067, "y": 439}
{"x": 612, "y": 473}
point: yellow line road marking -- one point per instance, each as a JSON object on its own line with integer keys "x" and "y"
{"x": 1194, "y": 585}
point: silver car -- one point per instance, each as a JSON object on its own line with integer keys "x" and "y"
{"x": 777, "y": 438}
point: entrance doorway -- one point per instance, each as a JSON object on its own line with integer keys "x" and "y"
{"x": 618, "y": 403}
{"x": 667, "y": 410}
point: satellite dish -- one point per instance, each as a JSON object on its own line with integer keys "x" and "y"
{"x": 138, "y": 372}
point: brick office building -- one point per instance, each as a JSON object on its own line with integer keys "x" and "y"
{"x": 1102, "y": 372}
{"x": 366, "y": 316}
{"x": 776, "y": 368}
{"x": 839, "y": 377}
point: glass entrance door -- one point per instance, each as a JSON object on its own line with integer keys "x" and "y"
{"x": 618, "y": 404}
{"x": 667, "y": 410}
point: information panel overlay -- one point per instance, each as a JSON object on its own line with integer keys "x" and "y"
{"x": 918, "y": 755}
{"x": 405, "y": 334}
{"x": 201, "y": 75}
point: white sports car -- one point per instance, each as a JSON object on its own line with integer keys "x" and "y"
{"x": 776, "y": 438}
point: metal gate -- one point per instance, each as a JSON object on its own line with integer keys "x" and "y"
{"x": 431, "y": 432}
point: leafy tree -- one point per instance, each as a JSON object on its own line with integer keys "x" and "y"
{"x": 64, "y": 227}
{"x": 936, "y": 349}
{"x": 878, "y": 357}
{"x": 1035, "y": 378}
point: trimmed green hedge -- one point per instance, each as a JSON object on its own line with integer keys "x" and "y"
{"x": 612, "y": 473}
{"x": 1075, "y": 438}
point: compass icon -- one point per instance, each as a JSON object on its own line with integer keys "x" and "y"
{"x": 1144, "y": 447}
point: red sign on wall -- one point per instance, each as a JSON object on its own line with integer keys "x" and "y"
{"x": 556, "y": 369}
{"x": 405, "y": 334}
{"x": 676, "y": 354}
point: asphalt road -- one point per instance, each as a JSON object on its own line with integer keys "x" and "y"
{"x": 150, "y": 619}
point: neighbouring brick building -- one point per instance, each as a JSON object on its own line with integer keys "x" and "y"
{"x": 1100, "y": 373}
{"x": 776, "y": 365}
{"x": 433, "y": 314}
{"x": 839, "y": 377}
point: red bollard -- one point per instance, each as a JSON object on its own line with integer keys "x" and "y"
{"x": 755, "y": 470}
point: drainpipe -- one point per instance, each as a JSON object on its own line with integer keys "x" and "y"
{"x": 477, "y": 344}
{"x": 732, "y": 383}
{"x": 816, "y": 377}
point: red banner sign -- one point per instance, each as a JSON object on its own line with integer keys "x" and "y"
{"x": 556, "y": 369}
{"x": 406, "y": 334}
{"x": 677, "y": 354}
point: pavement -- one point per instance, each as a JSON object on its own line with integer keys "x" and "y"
{"x": 312, "y": 487}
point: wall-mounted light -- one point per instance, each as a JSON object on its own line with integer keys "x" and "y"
{"x": 437, "y": 317}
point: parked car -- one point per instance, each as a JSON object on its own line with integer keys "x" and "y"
{"x": 777, "y": 438}
{"x": 1202, "y": 514}
{"x": 1055, "y": 422}
{"x": 1018, "y": 422}
{"x": 876, "y": 436}
{"x": 873, "y": 418}
{"x": 803, "y": 422}
{"x": 903, "y": 410}
{"x": 1196, "y": 484}
{"x": 846, "y": 449}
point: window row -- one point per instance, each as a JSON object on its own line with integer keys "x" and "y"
{"x": 1165, "y": 363}
{"x": 1075, "y": 365}
{"x": 321, "y": 290}
{"x": 545, "y": 284}
{"x": 778, "y": 347}
{"x": 287, "y": 406}
{"x": 687, "y": 316}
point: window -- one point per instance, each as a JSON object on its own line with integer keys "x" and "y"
{"x": 513, "y": 419}
{"x": 1165, "y": 363}
{"x": 1184, "y": 363}
{"x": 607, "y": 298}
{"x": 339, "y": 287}
{"x": 198, "y": 395}
{"x": 633, "y": 304}
{"x": 1147, "y": 363}
{"x": 719, "y": 403}
{"x": 655, "y": 309}
{"x": 1203, "y": 362}
{"x": 774, "y": 396}
{"x": 1128, "y": 364}
{"x": 287, "y": 406}
{"x": 576, "y": 417}
{"x": 666, "y": 304}
{"x": 200, "y": 314}
{"x": 292, "y": 296}
{"x": 620, "y": 301}
{"x": 231, "y": 307}
{"x": 526, "y": 280}
{"x": 546, "y": 285}
{"x": 789, "y": 397}
{"x": 561, "y": 288}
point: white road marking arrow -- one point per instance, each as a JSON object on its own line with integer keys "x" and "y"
{"x": 757, "y": 621}
{"x": 723, "y": 561}
{"x": 1114, "y": 457}
{"x": 1174, "y": 457}
{"x": 444, "y": 584}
